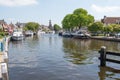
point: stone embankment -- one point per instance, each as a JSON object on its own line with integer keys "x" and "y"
{"x": 4, "y": 58}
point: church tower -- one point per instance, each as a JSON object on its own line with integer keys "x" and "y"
{"x": 50, "y": 25}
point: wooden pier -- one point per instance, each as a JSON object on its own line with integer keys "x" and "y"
{"x": 4, "y": 59}
{"x": 103, "y": 56}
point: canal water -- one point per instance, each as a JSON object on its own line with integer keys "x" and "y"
{"x": 51, "y": 57}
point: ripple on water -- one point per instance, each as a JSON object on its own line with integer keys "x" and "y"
{"x": 50, "y": 57}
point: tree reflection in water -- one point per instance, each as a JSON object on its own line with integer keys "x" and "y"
{"x": 86, "y": 52}
{"x": 79, "y": 51}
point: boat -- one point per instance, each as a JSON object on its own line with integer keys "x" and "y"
{"x": 80, "y": 35}
{"x": 66, "y": 34}
{"x": 60, "y": 33}
{"x": 28, "y": 33}
{"x": 17, "y": 36}
{"x": 50, "y": 32}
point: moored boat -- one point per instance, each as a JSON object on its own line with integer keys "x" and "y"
{"x": 66, "y": 34}
{"x": 17, "y": 35}
{"x": 80, "y": 35}
{"x": 28, "y": 33}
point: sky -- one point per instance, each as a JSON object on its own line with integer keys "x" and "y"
{"x": 42, "y": 11}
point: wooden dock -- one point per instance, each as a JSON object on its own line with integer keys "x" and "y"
{"x": 4, "y": 58}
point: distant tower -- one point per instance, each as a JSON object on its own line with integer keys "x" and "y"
{"x": 50, "y": 25}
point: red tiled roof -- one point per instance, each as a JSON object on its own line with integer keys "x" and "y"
{"x": 111, "y": 20}
{"x": 11, "y": 25}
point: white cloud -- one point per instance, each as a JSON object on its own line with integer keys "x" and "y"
{"x": 13, "y": 3}
{"x": 105, "y": 9}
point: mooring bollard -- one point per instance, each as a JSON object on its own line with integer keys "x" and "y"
{"x": 5, "y": 56}
{"x": 103, "y": 56}
{"x": 4, "y": 71}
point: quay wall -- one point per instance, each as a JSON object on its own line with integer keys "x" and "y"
{"x": 107, "y": 39}
{"x": 4, "y": 58}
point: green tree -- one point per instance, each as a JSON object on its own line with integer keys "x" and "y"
{"x": 108, "y": 29}
{"x": 116, "y": 28}
{"x": 95, "y": 27}
{"x": 2, "y": 33}
{"x": 33, "y": 26}
{"x": 66, "y": 23}
{"x": 80, "y": 11}
{"x": 79, "y": 18}
{"x": 56, "y": 27}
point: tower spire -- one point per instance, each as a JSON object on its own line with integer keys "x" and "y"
{"x": 50, "y": 25}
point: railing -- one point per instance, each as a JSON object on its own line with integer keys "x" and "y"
{"x": 103, "y": 56}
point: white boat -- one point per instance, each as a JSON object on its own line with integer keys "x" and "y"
{"x": 28, "y": 33}
{"x": 40, "y": 32}
{"x": 66, "y": 34}
{"x": 80, "y": 34}
{"x": 50, "y": 32}
{"x": 17, "y": 35}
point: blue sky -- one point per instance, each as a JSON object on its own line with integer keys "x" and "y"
{"x": 42, "y": 11}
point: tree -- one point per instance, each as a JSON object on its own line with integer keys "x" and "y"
{"x": 95, "y": 27}
{"x": 108, "y": 29}
{"x": 56, "y": 27}
{"x": 116, "y": 28}
{"x": 67, "y": 22}
{"x": 79, "y": 18}
{"x": 33, "y": 26}
{"x": 80, "y": 11}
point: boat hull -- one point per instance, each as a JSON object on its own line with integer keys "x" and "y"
{"x": 17, "y": 38}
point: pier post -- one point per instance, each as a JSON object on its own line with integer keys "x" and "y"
{"x": 103, "y": 56}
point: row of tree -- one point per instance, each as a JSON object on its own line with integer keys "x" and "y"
{"x": 33, "y": 26}
{"x": 80, "y": 18}
{"x": 98, "y": 27}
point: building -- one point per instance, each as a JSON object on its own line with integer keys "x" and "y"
{"x": 11, "y": 27}
{"x": 20, "y": 25}
{"x": 7, "y": 28}
{"x": 4, "y": 25}
{"x": 44, "y": 28}
{"x": 110, "y": 20}
{"x": 50, "y": 25}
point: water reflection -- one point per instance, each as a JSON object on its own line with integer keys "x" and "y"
{"x": 49, "y": 57}
{"x": 84, "y": 45}
{"x": 108, "y": 73}
{"x": 17, "y": 44}
{"x": 86, "y": 52}
{"x": 77, "y": 50}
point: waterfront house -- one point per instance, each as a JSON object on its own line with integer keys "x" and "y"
{"x": 4, "y": 25}
{"x": 110, "y": 20}
{"x": 11, "y": 27}
{"x": 20, "y": 25}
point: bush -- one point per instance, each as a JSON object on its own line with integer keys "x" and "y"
{"x": 2, "y": 34}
